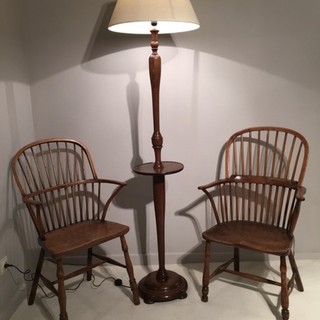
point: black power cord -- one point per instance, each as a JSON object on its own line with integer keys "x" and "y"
{"x": 25, "y": 273}
{"x": 116, "y": 281}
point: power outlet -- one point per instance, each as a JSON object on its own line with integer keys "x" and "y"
{"x": 3, "y": 261}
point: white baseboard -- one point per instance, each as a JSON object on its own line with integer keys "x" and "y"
{"x": 194, "y": 257}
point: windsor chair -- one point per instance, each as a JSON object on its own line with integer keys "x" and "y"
{"x": 68, "y": 205}
{"x": 256, "y": 205}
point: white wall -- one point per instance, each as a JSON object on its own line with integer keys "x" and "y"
{"x": 16, "y": 128}
{"x": 252, "y": 62}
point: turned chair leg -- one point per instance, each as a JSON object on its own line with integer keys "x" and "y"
{"x": 89, "y": 262}
{"x": 284, "y": 289}
{"x": 206, "y": 271}
{"x": 36, "y": 277}
{"x": 296, "y": 272}
{"x": 129, "y": 267}
{"x": 61, "y": 291}
{"x": 236, "y": 256}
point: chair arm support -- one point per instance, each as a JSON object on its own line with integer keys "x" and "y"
{"x": 301, "y": 191}
{"x": 111, "y": 197}
{"x": 35, "y": 215}
{"x": 296, "y": 211}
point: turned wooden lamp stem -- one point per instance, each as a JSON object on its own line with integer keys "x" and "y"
{"x": 155, "y": 75}
{"x": 157, "y": 141}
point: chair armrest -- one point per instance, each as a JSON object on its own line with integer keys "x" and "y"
{"x": 29, "y": 196}
{"x": 256, "y": 180}
{"x": 214, "y": 183}
{"x": 105, "y": 200}
{"x": 120, "y": 183}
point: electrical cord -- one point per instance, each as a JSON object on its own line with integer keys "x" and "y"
{"x": 25, "y": 273}
{"x": 117, "y": 282}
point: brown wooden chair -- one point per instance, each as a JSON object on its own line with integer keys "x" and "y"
{"x": 68, "y": 205}
{"x": 256, "y": 206}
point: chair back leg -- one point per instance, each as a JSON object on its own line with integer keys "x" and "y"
{"x": 89, "y": 263}
{"x": 36, "y": 277}
{"x": 129, "y": 267}
{"x": 236, "y": 263}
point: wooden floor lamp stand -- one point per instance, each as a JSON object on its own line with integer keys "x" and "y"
{"x": 161, "y": 285}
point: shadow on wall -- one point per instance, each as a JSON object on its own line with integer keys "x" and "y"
{"x": 137, "y": 195}
{"x": 20, "y": 247}
{"x": 195, "y": 254}
{"x": 17, "y": 214}
{"x": 24, "y": 228}
{"x": 278, "y": 37}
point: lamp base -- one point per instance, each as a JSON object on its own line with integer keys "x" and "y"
{"x": 153, "y": 290}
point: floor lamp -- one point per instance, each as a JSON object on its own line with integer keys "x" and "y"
{"x": 144, "y": 17}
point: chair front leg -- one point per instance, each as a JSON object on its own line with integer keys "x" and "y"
{"x": 129, "y": 267}
{"x": 206, "y": 273}
{"x": 89, "y": 263}
{"x": 284, "y": 289}
{"x": 36, "y": 277}
{"x": 236, "y": 256}
{"x": 61, "y": 291}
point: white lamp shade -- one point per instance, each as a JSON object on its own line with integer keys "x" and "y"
{"x": 136, "y": 16}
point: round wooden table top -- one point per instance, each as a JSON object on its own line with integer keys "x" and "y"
{"x": 169, "y": 167}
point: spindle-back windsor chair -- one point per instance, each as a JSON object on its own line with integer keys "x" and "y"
{"x": 68, "y": 205}
{"x": 256, "y": 206}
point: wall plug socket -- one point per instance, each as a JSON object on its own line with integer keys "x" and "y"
{"x": 3, "y": 261}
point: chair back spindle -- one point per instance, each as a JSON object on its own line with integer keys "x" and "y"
{"x": 268, "y": 152}
{"x": 57, "y": 174}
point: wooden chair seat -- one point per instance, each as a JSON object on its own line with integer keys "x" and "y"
{"x": 81, "y": 236}
{"x": 251, "y": 235}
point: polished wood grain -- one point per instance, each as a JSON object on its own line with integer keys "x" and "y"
{"x": 257, "y": 204}
{"x": 68, "y": 204}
